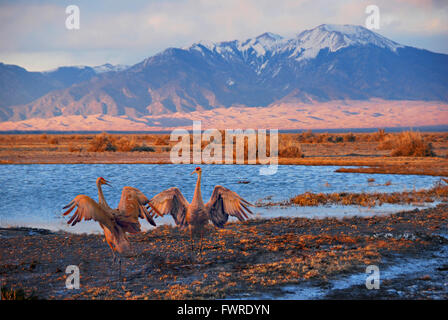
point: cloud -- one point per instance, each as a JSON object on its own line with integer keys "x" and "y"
{"x": 129, "y": 32}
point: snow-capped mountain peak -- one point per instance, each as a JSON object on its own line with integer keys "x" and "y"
{"x": 259, "y": 52}
{"x": 306, "y": 45}
{"x": 269, "y": 36}
{"x": 335, "y": 37}
{"x": 259, "y": 45}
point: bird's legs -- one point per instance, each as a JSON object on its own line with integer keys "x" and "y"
{"x": 116, "y": 259}
{"x": 107, "y": 236}
{"x": 114, "y": 256}
{"x": 186, "y": 248}
{"x": 191, "y": 239}
{"x": 200, "y": 244}
{"x": 192, "y": 243}
{"x": 119, "y": 269}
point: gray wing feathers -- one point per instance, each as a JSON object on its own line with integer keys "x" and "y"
{"x": 131, "y": 207}
{"x": 225, "y": 202}
{"x": 170, "y": 201}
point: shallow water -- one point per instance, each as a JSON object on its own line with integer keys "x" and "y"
{"x": 402, "y": 270}
{"x": 33, "y": 195}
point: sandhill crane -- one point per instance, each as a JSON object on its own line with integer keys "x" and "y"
{"x": 114, "y": 222}
{"x": 195, "y": 216}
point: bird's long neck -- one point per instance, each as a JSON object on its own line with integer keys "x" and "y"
{"x": 197, "y": 197}
{"x": 101, "y": 200}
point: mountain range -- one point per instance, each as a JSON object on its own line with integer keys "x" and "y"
{"x": 320, "y": 65}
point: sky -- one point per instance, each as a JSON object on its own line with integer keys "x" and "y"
{"x": 33, "y": 34}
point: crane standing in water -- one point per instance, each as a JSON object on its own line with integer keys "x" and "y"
{"x": 114, "y": 222}
{"x": 195, "y": 216}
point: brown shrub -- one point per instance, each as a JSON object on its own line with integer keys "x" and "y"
{"x": 162, "y": 140}
{"x": 74, "y": 148}
{"x": 101, "y": 143}
{"x": 104, "y": 142}
{"x": 380, "y": 135}
{"x": 307, "y": 136}
{"x": 53, "y": 140}
{"x": 350, "y": 137}
{"x": 407, "y": 143}
{"x": 321, "y": 138}
{"x": 125, "y": 144}
{"x": 290, "y": 149}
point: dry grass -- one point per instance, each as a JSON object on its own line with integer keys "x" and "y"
{"x": 162, "y": 140}
{"x": 15, "y": 294}
{"x": 345, "y": 149}
{"x": 53, "y": 140}
{"x": 290, "y": 149}
{"x": 101, "y": 143}
{"x": 74, "y": 148}
{"x": 124, "y": 144}
{"x": 408, "y": 144}
{"x": 378, "y": 136}
{"x": 104, "y": 142}
{"x": 438, "y": 192}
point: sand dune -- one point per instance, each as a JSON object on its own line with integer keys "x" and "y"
{"x": 330, "y": 115}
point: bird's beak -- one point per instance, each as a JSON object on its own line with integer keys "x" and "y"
{"x": 107, "y": 183}
{"x": 193, "y": 172}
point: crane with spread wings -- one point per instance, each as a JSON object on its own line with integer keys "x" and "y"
{"x": 196, "y": 215}
{"x": 114, "y": 222}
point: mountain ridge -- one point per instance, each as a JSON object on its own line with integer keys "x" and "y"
{"x": 329, "y": 62}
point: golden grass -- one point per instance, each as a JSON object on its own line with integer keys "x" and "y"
{"x": 101, "y": 143}
{"x": 407, "y": 143}
{"x": 307, "y": 148}
{"x": 162, "y": 140}
{"x": 15, "y": 294}
{"x": 106, "y": 142}
{"x": 438, "y": 192}
{"x": 53, "y": 140}
{"x": 290, "y": 149}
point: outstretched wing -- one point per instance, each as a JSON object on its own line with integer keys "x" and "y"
{"x": 225, "y": 202}
{"x": 88, "y": 209}
{"x": 170, "y": 201}
{"x": 131, "y": 207}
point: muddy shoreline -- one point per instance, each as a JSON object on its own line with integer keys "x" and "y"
{"x": 244, "y": 260}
